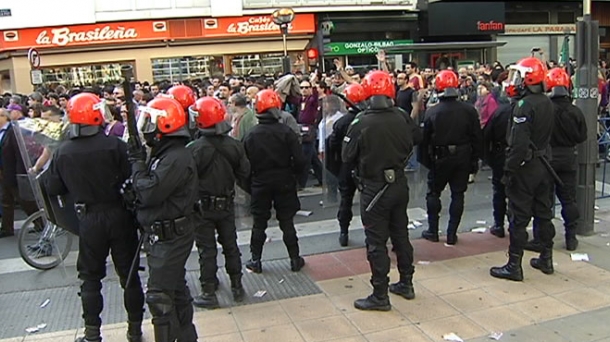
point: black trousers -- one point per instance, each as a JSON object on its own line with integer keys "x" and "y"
{"x": 282, "y": 196}
{"x": 223, "y": 223}
{"x": 168, "y": 297}
{"x": 103, "y": 232}
{"x": 387, "y": 219}
{"x": 453, "y": 170}
{"x": 347, "y": 189}
{"x": 311, "y": 162}
{"x": 529, "y": 195}
{"x": 499, "y": 192}
{"x": 564, "y": 164}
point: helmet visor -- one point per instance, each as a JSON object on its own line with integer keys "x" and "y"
{"x": 102, "y": 107}
{"x": 193, "y": 115}
{"x": 147, "y": 122}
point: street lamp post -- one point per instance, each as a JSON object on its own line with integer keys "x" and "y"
{"x": 283, "y": 17}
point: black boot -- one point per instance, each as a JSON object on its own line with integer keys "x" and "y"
{"x": 92, "y": 334}
{"x": 452, "y": 238}
{"x": 378, "y": 301}
{"x": 430, "y": 235}
{"x": 544, "y": 262}
{"x": 533, "y": 246}
{"x": 237, "y": 288}
{"x": 404, "y": 288}
{"x": 296, "y": 264}
{"x": 497, "y": 230}
{"x": 571, "y": 242}
{"x": 254, "y": 265}
{"x": 343, "y": 239}
{"x": 512, "y": 270}
{"x": 134, "y": 331}
{"x": 207, "y": 299}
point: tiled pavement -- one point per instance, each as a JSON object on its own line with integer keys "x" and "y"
{"x": 454, "y": 294}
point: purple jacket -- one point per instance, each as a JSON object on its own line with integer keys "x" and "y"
{"x": 309, "y": 109}
{"x": 116, "y": 130}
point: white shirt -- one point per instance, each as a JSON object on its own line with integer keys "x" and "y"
{"x": 325, "y": 127}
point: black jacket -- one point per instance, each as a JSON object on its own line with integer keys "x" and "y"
{"x": 570, "y": 127}
{"x": 450, "y": 122}
{"x": 378, "y": 140}
{"x": 12, "y": 162}
{"x": 529, "y": 130}
{"x": 92, "y": 169}
{"x": 220, "y": 160}
{"x": 274, "y": 152}
{"x": 167, "y": 188}
{"x": 494, "y": 133}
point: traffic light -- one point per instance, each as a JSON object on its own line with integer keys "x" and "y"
{"x": 312, "y": 56}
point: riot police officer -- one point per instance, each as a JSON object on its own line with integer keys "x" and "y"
{"x": 494, "y": 152}
{"x": 379, "y": 142}
{"x": 92, "y": 167}
{"x": 186, "y": 97}
{"x": 527, "y": 175}
{"x": 165, "y": 192}
{"x": 450, "y": 150}
{"x": 343, "y": 171}
{"x": 276, "y": 159}
{"x": 569, "y": 130}
{"x": 220, "y": 161}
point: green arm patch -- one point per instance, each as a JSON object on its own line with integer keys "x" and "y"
{"x": 521, "y": 102}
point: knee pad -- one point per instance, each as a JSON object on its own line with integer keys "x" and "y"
{"x": 160, "y": 304}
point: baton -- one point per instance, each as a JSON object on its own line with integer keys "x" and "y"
{"x": 135, "y": 260}
{"x": 344, "y": 98}
{"x": 134, "y": 137}
{"x": 377, "y": 197}
{"x": 547, "y": 165}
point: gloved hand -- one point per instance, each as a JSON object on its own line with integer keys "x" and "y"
{"x": 474, "y": 167}
{"x": 506, "y": 178}
{"x": 129, "y": 194}
{"x": 136, "y": 154}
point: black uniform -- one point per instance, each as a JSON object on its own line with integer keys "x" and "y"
{"x": 166, "y": 192}
{"x": 450, "y": 150}
{"x": 494, "y": 152}
{"x": 379, "y": 141}
{"x": 220, "y": 160}
{"x": 343, "y": 171}
{"x": 276, "y": 160}
{"x": 569, "y": 130}
{"x": 92, "y": 169}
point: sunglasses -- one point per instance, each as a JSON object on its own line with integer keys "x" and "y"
{"x": 305, "y": 87}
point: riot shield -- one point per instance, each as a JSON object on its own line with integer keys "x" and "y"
{"x": 329, "y": 148}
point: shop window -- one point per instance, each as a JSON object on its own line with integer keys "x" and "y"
{"x": 263, "y": 64}
{"x": 185, "y": 68}
{"x": 83, "y": 75}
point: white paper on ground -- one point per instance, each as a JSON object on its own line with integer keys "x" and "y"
{"x": 604, "y": 235}
{"x": 41, "y": 325}
{"x": 479, "y": 230}
{"x": 305, "y": 213}
{"x": 596, "y": 221}
{"x": 496, "y": 336}
{"x": 260, "y": 293}
{"x": 45, "y": 303}
{"x": 448, "y": 245}
{"x": 596, "y": 207}
{"x": 411, "y": 226}
{"x": 481, "y": 222}
{"x": 417, "y": 223}
{"x": 423, "y": 262}
{"x": 281, "y": 281}
{"x": 452, "y": 337}
{"x": 579, "y": 256}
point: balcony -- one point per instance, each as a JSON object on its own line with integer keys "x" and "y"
{"x": 119, "y": 10}
{"x": 251, "y": 6}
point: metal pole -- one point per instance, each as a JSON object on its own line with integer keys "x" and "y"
{"x": 286, "y": 60}
{"x": 586, "y": 93}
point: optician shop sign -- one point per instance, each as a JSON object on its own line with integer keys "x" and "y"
{"x": 362, "y": 48}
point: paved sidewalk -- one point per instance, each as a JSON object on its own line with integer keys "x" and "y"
{"x": 454, "y": 294}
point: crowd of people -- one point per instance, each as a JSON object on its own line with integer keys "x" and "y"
{"x": 207, "y": 141}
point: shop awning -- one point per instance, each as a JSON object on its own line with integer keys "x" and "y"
{"x": 446, "y": 46}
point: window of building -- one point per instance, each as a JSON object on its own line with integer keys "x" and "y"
{"x": 185, "y": 68}
{"x": 566, "y": 18}
{"x": 264, "y": 64}
{"x": 516, "y": 18}
{"x": 84, "y": 75}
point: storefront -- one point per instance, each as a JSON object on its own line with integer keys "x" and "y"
{"x": 521, "y": 39}
{"x": 356, "y": 38}
{"x": 466, "y": 29}
{"x": 172, "y": 50}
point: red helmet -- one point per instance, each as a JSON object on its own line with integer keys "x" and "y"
{"x": 378, "y": 83}
{"x": 355, "y": 93}
{"x": 183, "y": 94}
{"x": 445, "y": 79}
{"x": 529, "y": 71}
{"x": 267, "y": 99}
{"x": 164, "y": 114}
{"x": 86, "y": 109}
{"x": 556, "y": 77}
{"x": 208, "y": 111}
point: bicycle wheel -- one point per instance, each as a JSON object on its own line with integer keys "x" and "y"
{"x": 45, "y": 247}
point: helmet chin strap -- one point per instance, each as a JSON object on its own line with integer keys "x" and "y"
{"x": 536, "y": 88}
